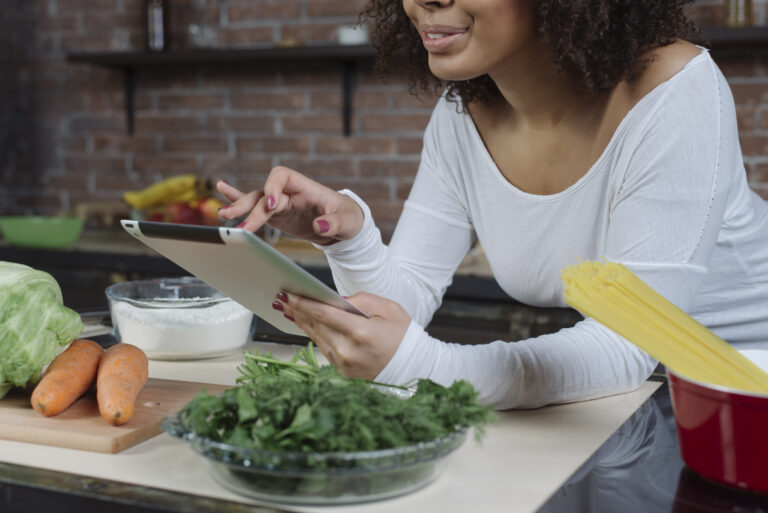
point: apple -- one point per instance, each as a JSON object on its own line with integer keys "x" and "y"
{"x": 156, "y": 214}
{"x": 182, "y": 213}
{"x": 208, "y": 208}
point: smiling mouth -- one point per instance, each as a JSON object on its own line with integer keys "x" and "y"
{"x": 440, "y": 39}
{"x": 436, "y": 35}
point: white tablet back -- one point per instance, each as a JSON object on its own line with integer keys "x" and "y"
{"x": 238, "y": 264}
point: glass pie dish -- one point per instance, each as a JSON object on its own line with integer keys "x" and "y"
{"x": 320, "y": 478}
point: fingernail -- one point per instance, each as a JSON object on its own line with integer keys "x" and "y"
{"x": 277, "y": 305}
{"x": 323, "y": 225}
{"x": 345, "y": 297}
{"x": 289, "y": 317}
{"x": 241, "y": 225}
{"x": 282, "y": 296}
{"x": 224, "y": 207}
{"x": 270, "y": 202}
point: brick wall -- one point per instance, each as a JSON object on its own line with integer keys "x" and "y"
{"x": 62, "y": 130}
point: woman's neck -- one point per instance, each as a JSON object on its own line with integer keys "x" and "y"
{"x": 540, "y": 99}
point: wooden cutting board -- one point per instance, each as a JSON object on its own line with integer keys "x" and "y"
{"x": 81, "y": 427}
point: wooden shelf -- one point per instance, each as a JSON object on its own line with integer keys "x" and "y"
{"x": 724, "y": 41}
{"x": 347, "y": 56}
{"x": 210, "y": 56}
{"x": 736, "y": 39}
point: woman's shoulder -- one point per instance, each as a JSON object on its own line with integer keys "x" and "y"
{"x": 657, "y": 66}
{"x": 449, "y": 108}
{"x": 450, "y": 119}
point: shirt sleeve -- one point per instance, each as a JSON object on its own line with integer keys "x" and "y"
{"x": 665, "y": 214}
{"x": 432, "y": 237}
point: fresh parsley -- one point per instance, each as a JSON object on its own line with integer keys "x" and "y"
{"x": 301, "y": 406}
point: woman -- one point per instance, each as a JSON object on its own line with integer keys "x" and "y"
{"x": 569, "y": 130}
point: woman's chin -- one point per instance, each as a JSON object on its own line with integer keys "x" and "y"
{"x": 452, "y": 73}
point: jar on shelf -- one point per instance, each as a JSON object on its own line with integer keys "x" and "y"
{"x": 203, "y": 24}
{"x": 738, "y": 13}
{"x": 157, "y": 18}
{"x": 760, "y": 13}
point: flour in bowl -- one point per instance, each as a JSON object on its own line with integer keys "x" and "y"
{"x": 183, "y": 333}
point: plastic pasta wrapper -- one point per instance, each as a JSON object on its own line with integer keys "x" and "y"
{"x": 614, "y": 296}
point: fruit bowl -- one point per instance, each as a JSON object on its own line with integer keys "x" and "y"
{"x": 41, "y": 231}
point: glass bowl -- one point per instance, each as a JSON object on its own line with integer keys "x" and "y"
{"x": 178, "y": 318}
{"x": 320, "y": 478}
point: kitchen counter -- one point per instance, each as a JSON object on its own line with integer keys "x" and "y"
{"x": 528, "y": 455}
{"x": 613, "y": 454}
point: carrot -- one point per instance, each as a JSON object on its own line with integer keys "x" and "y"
{"x": 122, "y": 374}
{"x": 68, "y": 376}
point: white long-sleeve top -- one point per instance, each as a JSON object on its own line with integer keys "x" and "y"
{"x": 668, "y": 198}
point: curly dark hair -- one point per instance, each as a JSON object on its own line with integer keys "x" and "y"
{"x": 599, "y": 42}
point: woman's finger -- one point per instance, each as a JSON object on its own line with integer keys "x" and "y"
{"x": 343, "y": 222}
{"x": 276, "y": 187}
{"x": 229, "y": 192}
{"x": 286, "y": 188}
{"x": 322, "y": 336}
{"x": 319, "y": 321}
{"x": 348, "y": 324}
{"x": 242, "y": 206}
{"x": 258, "y": 216}
{"x": 358, "y": 346}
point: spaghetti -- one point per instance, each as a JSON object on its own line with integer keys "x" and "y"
{"x": 614, "y": 296}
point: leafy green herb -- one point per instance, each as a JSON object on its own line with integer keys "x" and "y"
{"x": 300, "y": 406}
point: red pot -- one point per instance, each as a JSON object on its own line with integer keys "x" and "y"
{"x": 723, "y": 432}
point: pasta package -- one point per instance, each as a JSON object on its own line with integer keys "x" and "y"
{"x": 614, "y": 296}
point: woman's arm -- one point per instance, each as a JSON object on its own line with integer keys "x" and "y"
{"x": 433, "y": 235}
{"x": 665, "y": 219}
{"x": 677, "y": 172}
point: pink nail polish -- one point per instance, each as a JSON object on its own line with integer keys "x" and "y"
{"x": 224, "y": 207}
{"x": 323, "y": 225}
{"x": 282, "y": 296}
{"x": 277, "y": 305}
{"x": 270, "y": 202}
{"x": 289, "y": 317}
{"x": 241, "y": 224}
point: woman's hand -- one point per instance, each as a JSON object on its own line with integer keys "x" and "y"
{"x": 293, "y": 203}
{"x": 359, "y": 347}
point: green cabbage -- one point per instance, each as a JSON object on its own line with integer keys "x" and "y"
{"x": 34, "y": 324}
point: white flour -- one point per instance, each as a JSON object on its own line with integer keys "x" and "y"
{"x": 183, "y": 333}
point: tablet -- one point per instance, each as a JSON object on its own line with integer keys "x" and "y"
{"x": 238, "y": 264}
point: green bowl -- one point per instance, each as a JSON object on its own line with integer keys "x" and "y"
{"x": 41, "y": 231}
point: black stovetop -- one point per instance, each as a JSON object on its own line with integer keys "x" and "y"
{"x": 639, "y": 470}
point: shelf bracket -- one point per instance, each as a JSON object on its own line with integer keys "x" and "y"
{"x": 348, "y": 92}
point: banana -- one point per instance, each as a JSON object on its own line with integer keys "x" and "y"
{"x": 170, "y": 190}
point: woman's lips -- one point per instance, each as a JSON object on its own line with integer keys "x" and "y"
{"x": 438, "y": 39}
